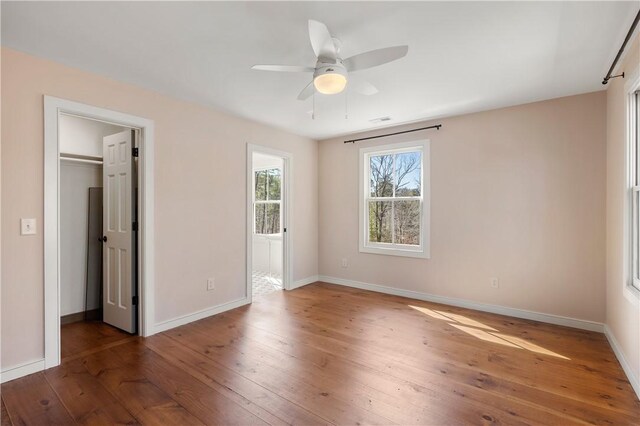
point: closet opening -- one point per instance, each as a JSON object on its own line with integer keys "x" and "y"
{"x": 98, "y": 226}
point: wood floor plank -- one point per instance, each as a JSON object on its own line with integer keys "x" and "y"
{"x": 237, "y": 386}
{"x": 88, "y": 337}
{"x": 315, "y": 397}
{"x": 31, "y": 401}
{"x": 144, "y": 400}
{"x": 358, "y": 393}
{"x": 207, "y": 404}
{"x": 84, "y": 397}
{"x": 325, "y": 354}
{"x": 5, "y": 420}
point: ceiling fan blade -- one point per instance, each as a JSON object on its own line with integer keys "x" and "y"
{"x": 306, "y": 92}
{"x": 374, "y": 58}
{"x": 283, "y": 68}
{"x": 363, "y": 87}
{"x": 321, "y": 41}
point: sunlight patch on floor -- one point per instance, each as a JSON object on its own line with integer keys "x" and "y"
{"x": 484, "y": 332}
{"x": 483, "y": 335}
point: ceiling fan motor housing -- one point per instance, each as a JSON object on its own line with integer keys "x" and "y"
{"x": 326, "y": 68}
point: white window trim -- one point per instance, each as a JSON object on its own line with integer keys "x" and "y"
{"x": 255, "y": 202}
{"x": 423, "y": 251}
{"x": 631, "y": 288}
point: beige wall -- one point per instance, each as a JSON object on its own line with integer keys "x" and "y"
{"x": 623, "y": 313}
{"x": 516, "y": 193}
{"x": 200, "y": 195}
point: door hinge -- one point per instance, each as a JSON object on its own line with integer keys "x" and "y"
{"x": 285, "y": 229}
{"x": 134, "y": 226}
{"x": 134, "y": 300}
{"x": 134, "y": 152}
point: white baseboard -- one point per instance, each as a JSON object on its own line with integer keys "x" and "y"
{"x": 305, "y": 281}
{"x": 186, "y": 319}
{"x": 21, "y": 370}
{"x": 617, "y": 350}
{"x": 463, "y": 303}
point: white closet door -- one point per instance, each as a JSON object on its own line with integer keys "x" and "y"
{"x": 118, "y": 291}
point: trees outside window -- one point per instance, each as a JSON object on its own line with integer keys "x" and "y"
{"x": 267, "y": 193}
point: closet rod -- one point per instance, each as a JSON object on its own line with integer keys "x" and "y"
{"x": 81, "y": 158}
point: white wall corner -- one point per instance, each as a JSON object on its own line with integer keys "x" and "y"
{"x": 617, "y": 350}
{"x": 21, "y": 370}
{"x": 186, "y": 319}
{"x": 305, "y": 281}
{"x": 463, "y": 303}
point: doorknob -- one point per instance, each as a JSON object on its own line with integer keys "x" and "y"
{"x": 103, "y": 239}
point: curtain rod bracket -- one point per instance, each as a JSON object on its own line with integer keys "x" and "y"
{"x": 606, "y": 80}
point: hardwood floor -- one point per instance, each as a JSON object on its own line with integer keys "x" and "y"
{"x": 325, "y": 354}
{"x": 85, "y": 337}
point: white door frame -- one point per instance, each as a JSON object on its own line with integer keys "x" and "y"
{"x": 53, "y": 107}
{"x": 287, "y": 222}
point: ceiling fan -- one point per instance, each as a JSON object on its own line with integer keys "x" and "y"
{"x": 331, "y": 72}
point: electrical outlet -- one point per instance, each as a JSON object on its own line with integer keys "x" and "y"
{"x": 27, "y": 226}
{"x": 495, "y": 283}
{"x": 345, "y": 262}
{"x": 211, "y": 284}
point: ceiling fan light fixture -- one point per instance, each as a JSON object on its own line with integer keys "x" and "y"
{"x": 330, "y": 80}
{"x": 330, "y": 84}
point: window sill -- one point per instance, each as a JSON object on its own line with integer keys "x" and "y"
{"x": 268, "y": 236}
{"x": 423, "y": 254}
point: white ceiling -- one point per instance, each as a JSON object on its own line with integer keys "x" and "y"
{"x": 463, "y": 56}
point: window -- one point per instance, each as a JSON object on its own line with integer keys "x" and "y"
{"x": 634, "y": 184}
{"x": 394, "y": 199}
{"x": 266, "y": 201}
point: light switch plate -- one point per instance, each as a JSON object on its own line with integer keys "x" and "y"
{"x": 27, "y": 226}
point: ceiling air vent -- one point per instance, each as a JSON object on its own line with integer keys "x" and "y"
{"x": 380, "y": 119}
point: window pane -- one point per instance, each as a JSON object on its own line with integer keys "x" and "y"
{"x": 260, "y": 218}
{"x": 274, "y": 184}
{"x": 380, "y": 221}
{"x": 261, "y": 185}
{"x": 273, "y": 219}
{"x": 406, "y": 222}
{"x": 267, "y": 218}
{"x": 408, "y": 174}
{"x": 381, "y": 176}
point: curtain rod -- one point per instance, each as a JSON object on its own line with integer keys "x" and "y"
{"x": 624, "y": 44}
{"x": 437, "y": 127}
